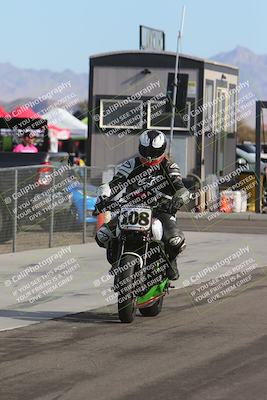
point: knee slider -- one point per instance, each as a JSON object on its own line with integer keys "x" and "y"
{"x": 103, "y": 236}
{"x": 177, "y": 241}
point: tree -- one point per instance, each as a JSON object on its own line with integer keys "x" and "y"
{"x": 81, "y": 110}
{"x": 245, "y": 132}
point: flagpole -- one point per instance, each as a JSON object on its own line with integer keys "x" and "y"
{"x": 178, "y": 51}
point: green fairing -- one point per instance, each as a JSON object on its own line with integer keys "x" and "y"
{"x": 156, "y": 290}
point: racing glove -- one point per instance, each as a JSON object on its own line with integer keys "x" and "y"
{"x": 101, "y": 205}
{"x": 181, "y": 197}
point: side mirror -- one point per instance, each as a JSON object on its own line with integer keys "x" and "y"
{"x": 241, "y": 161}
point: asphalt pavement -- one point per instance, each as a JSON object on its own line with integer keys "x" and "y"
{"x": 188, "y": 352}
{"x": 209, "y": 342}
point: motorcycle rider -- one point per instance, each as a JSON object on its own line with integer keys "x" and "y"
{"x": 150, "y": 174}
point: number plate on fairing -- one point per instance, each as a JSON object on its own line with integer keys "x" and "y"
{"x": 135, "y": 218}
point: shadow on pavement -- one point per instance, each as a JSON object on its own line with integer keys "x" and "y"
{"x": 96, "y": 316}
{"x": 30, "y": 315}
{"x": 83, "y": 317}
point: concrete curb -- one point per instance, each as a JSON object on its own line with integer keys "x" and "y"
{"x": 247, "y": 216}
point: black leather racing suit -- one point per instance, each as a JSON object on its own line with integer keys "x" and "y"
{"x": 143, "y": 184}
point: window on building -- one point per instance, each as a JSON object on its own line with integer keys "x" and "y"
{"x": 159, "y": 118}
{"x": 208, "y": 107}
{"x": 221, "y": 126}
{"x": 232, "y": 109}
{"x": 121, "y": 113}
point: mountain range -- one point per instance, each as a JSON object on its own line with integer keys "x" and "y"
{"x": 17, "y": 85}
{"x": 252, "y": 67}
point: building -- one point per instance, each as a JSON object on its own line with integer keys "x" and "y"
{"x": 128, "y": 94}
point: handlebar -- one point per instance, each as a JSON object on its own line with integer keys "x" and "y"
{"x": 111, "y": 205}
{"x": 95, "y": 212}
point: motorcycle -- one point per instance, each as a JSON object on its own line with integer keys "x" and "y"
{"x": 140, "y": 277}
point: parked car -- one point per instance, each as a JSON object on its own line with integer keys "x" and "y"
{"x": 247, "y": 151}
{"x": 78, "y": 202}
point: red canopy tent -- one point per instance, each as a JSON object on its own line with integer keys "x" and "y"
{"x": 54, "y": 131}
{"x": 3, "y": 112}
{"x": 24, "y": 112}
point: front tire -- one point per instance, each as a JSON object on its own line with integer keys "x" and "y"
{"x": 126, "y": 298}
{"x": 153, "y": 310}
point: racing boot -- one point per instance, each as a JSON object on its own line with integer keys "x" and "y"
{"x": 172, "y": 270}
{"x": 112, "y": 255}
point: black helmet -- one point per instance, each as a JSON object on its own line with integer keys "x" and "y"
{"x": 152, "y": 146}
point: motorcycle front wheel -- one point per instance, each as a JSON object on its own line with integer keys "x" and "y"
{"x": 126, "y": 299}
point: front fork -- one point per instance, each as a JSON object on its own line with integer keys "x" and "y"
{"x": 123, "y": 248}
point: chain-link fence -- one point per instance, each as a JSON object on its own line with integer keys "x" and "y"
{"x": 46, "y": 206}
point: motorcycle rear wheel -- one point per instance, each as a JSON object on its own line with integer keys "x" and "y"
{"x": 153, "y": 310}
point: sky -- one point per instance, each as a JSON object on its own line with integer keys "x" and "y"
{"x": 62, "y": 34}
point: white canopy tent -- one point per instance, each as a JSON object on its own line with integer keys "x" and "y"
{"x": 63, "y": 119}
